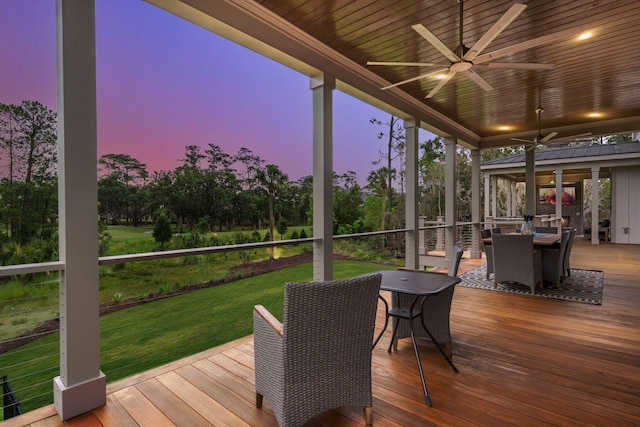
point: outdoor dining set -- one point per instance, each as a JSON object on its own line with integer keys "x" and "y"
{"x": 534, "y": 259}
{"x": 302, "y": 377}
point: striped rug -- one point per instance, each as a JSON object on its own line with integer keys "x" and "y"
{"x": 583, "y": 286}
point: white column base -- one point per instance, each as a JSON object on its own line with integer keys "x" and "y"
{"x": 79, "y": 398}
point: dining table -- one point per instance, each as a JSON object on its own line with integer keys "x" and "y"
{"x": 420, "y": 285}
{"x": 539, "y": 239}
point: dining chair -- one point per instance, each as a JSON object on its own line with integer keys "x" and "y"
{"x": 515, "y": 260}
{"x": 488, "y": 250}
{"x": 319, "y": 357}
{"x": 566, "y": 267}
{"x": 553, "y": 261}
{"x": 435, "y": 312}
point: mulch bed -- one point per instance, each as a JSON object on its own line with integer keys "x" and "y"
{"x": 237, "y": 272}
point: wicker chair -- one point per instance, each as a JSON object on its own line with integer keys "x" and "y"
{"x": 515, "y": 260}
{"x": 553, "y": 261}
{"x": 566, "y": 268}
{"x": 552, "y": 230}
{"x": 488, "y": 251}
{"x": 319, "y": 357}
{"x": 435, "y": 312}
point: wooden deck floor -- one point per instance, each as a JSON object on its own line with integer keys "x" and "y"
{"x": 522, "y": 360}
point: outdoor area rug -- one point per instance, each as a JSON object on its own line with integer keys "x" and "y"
{"x": 583, "y": 286}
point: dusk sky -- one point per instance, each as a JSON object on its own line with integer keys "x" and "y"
{"x": 163, "y": 83}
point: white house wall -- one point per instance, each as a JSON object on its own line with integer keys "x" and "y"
{"x": 626, "y": 199}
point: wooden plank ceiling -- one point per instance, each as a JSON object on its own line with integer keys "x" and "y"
{"x": 598, "y": 75}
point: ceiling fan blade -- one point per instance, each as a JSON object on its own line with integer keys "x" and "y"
{"x": 566, "y": 139}
{"x": 408, "y": 64}
{"x": 548, "y": 137}
{"x": 516, "y": 66}
{"x": 440, "y": 84}
{"x": 421, "y": 76}
{"x": 514, "y": 11}
{"x": 525, "y": 45}
{"x": 475, "y": 77}
{"x": 522, "y": 140}
{"x": 435, "y": 42}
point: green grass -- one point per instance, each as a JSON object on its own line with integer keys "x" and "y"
{"x": 31, "y": 299}
{"x": 139, "y": 338}
{"x": 121, "y": 232}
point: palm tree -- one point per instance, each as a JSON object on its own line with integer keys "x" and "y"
{"x": 271, "y": 178}
{"x": 378, "y": 181}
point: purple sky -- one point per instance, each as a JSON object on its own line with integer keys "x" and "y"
{"x": 163, "y": 83}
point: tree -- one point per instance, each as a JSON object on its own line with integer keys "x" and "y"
{"x": 378, "y": 183}
{"x": 271, "y": 178}
{"x": 282, "y": 227}
{"x": 431, "y": 177}
{"x": 251, "y": 164}
{"x": 395, "y": 148}
{"x": 28, "y": 143}
{"x": 347, "y": 204}
{"x": 162, "y": 230}
{"x": 124, "y": 167}
{"x": 121, "y": 188}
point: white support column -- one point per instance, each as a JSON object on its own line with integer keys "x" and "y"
{"x": 450, "y": 208}
{"x": 514, "y": 198}
{"x": 412, "y": 256}
{"x": 558, "y": 179}
{"x": 475, "y": 204}
{"x": 494, "y": 197}
{"x": 530, "y": 182}
{"x": 509, "y": 204}
{"x": 487, "y": 196}
{"x": 81, "y": 385}
{"x": 322, "y": 87}
{"x": 595, "y": 205}
{"x": 422, "y": 241}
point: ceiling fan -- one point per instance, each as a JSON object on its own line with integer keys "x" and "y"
{"x": 531, "y": 144}
{"x": 464, "y": 60}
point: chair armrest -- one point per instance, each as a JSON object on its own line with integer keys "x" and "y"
{"x": 269, "y": 319}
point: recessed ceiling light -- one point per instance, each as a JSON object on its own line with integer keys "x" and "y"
{"x": 594, "y": 115}
{"x": 504, "y": 127}
{"x": 585, "y": 35}
{"x": 441, "y": 76}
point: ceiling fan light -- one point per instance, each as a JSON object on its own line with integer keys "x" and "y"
{"x": 585, "y": 35}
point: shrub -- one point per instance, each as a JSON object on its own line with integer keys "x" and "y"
{"x": 162, "y": 231}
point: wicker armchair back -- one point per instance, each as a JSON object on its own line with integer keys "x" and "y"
{"x": 322, "y": 359}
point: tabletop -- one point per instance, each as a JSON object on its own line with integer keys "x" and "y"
{"x": 539, "y": 239}
{"x": 420, "y": 283}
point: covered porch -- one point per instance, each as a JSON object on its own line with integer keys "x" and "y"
{"x": 564, "y": 171}
{"x": 522, "y": 361}
{"x": 519, "y": 366}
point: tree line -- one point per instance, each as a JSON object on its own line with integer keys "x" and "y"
{"x": 210, "y": 189}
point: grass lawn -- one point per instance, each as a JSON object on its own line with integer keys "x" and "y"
{"x": 139, "y": 338}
